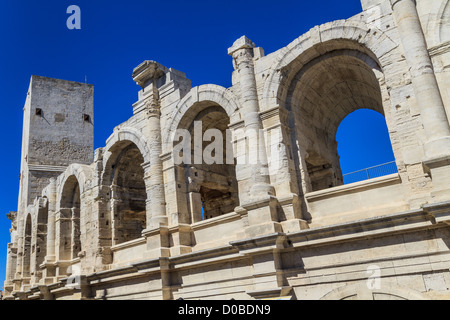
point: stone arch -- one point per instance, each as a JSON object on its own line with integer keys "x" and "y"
{"x": 83, "y": 175}
{"x": 348, "y": 34}
{"x": 360, "y": 291}
{"x": 47, "y": 191}
{"x": 362, "y": 76}
{"x": 444, "y": 22}
{"x": 438, "y": 30}
{"x": 124, "y": 186}
{"x": 205, "y": 189}
{"x": 68, "y": 242}
{"x": 209, "y": 93}
{"x": 126, "y": 135}
{"x": 71, "y": 188}
{"x": 320, "y": 78}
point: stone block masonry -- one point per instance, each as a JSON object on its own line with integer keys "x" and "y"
{"x": 131, "y": 221}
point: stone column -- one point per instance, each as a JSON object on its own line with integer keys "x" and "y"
{"x": 261, "y": 204}
{"x": 11, "y": 260}
{"x": 195, "y": 201}
{"x": 19, "y": 240}
{"x": 75, "y": 232}
{"x": 154, "y": 169}
{"x": 242, "y": 53}
{"x": 114, "y": 203}
{"x": 146, "y": 76}
{"x": 429, "y": 100}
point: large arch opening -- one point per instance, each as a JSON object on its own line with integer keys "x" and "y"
{"x": 70, "y": 206}
{"x": 364, "y": 146}
{"x": 322, "y": 93}
{"x": 206, "y": 172}
{"x": 127, "y": 192}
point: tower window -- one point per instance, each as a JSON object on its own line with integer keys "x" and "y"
{"x": 39, "y": 112}
{"x": 86, "y": 117}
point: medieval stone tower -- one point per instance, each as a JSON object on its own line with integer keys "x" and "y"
{"x": 215, "y": 193}
{"x": 58, "y": 130}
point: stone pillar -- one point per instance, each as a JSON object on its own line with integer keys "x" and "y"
{"x": 261, "y": 204}
{"x": 429, "y": 99}
{"x": 75, "y": 234}
{"x": 63, "y": 241}
{"x": 114, "y": 203}
{"x": 242, "y": 53}
{"x": 195, "y": 205}
{"x": 146, "y": 75}
{"x": 51, "y": 256}
{"x": 424, "y": 80}
{"x": 11, "y": 261}
{"x": 19, "y": 241}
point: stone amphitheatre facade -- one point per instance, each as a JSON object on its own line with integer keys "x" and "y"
{"x": 128, "y": 221}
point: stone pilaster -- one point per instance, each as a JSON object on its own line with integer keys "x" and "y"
{"x": 261, "y": 203}
{"x": 154, "y": 169}
{"x": 11, "y": 260}
{"x": 146, "y": 75}
{"x": 51, "y": 222}
{"x": 19, "y": 242}
{"x": 242, "y": 53}
{"x": 429, "y": 99}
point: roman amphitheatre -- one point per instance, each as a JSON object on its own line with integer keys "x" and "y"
{"x": 129, "y": 221}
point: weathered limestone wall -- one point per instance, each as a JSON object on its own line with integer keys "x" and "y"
{"x": 63, "y": 104}
{"x": 134, "y": 223}
{"x": 56, "y": 133}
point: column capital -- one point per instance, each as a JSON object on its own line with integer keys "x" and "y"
{"x": 241, "y": 43}
{"x": 147, "y": 71}
{"x": 152, "y": 106}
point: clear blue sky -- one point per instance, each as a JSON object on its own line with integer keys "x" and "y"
{"x": 190, "y": 36}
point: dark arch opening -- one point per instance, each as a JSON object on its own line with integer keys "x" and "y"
{"x": 128, "y": 195}
{"x": 70, "y": 242}
{"x": 211, "y": 187}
